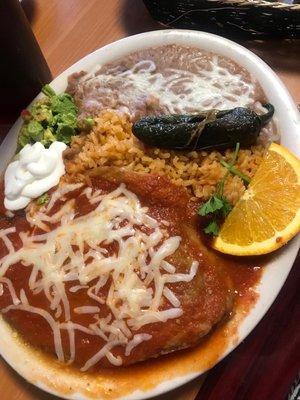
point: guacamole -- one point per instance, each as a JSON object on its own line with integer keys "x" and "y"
{"x": 54, "y": 117}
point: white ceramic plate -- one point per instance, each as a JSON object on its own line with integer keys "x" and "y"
{"x": 275, "y": 272}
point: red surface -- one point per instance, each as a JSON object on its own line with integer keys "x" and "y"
{"x": 265, "y": 365}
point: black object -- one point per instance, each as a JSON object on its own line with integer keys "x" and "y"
{"x": 245, "y": 19}
{"x": 23, "y": 69}
{"x": 205, "y": 130}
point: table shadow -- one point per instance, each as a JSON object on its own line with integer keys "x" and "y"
{"x": 135, "y": 18}
{"x": 281, "y": 55}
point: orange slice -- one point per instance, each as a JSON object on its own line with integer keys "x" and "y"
{"x": 268, "y": 214}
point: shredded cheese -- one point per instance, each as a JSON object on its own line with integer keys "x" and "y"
{"x": 86, "y": 310}
{"x": 137, "y": 339}
{"x": 136, "y": 274}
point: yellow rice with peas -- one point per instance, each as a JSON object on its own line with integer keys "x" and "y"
{"x": 111, "y": 143}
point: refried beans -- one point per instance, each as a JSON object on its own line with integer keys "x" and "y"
{"x": 167, "y": 80}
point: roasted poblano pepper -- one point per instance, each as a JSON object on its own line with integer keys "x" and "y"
{"x": 205, "y": 130}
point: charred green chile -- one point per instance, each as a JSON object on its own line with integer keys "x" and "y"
{"x": 206, "y": 130}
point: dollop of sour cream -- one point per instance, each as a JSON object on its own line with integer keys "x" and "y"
{"x": 34, "y": 171}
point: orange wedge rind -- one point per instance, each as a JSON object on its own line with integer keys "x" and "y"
{"x": 267, "y": 216}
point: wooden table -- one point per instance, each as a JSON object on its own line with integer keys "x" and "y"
{"x": 265, "y": 365}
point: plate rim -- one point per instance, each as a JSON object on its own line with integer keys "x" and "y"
{"x": 287, "y": 255}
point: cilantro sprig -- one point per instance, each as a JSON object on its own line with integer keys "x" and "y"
{"x": 217, "y": 206}
{"x": 235, "y": 171}
{"x": 212, "y": 228}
